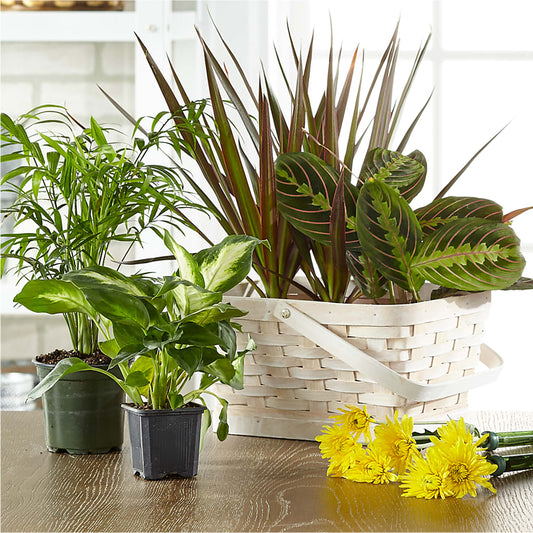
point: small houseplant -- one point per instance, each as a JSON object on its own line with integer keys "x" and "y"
{"x": 375, "y": 347}
{"x": 76, "y": 193}
{"x": 164, "y": 332}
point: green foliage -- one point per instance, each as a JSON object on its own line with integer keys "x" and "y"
{"x": 459, "y": 243}
{"x": 242, "y": 183}
{"x": 75, "y": 193}
{"x": 158, "y": 343}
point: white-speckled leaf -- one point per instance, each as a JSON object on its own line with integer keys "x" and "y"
{"x": 226, "y": 264}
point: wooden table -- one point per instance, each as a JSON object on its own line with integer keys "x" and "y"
{"x": 243, "y": 484}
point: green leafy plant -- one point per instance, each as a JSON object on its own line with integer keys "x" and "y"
{"x": 75, "y": 193}
{"x": 459, "y": 243}
{"x": 242, "y": 182}
{"x": 164, "y": 331}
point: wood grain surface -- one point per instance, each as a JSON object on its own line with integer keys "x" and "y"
{"x": 243, "y": 484}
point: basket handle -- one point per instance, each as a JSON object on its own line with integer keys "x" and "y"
{"x": 377, "y": 371}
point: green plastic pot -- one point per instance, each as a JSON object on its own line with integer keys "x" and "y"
{"x": 82, "y": 412}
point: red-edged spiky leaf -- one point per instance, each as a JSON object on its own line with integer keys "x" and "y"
{"x": 452, "y": 182}
{"x": 337, "y": 232}
{"x": 509, "y": 216}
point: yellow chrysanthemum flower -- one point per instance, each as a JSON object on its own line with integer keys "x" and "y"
{"x": 455, "y": 431}
{"x": 426, "y": 478}
{"x": 465, "y": 468}
{"x": 356, "y": 420}
{"x": 374, "y": 467}
{"x": 338, "y": 445}
{"x": 334, "y": 440}
{"x": 350, "y": 458}
{"x": 394, "y": 439}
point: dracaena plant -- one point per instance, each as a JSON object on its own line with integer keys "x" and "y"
{"x": 241, "y": 177}
{"x": 75, "y": 193}
{"x": 455, "y": 242}
{"x": 160, "y": 332}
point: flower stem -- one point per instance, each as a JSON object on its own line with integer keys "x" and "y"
{"x": 505, "y": 439}
{"x": 510, "y": 463}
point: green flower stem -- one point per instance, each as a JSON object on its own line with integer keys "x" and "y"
{"x": 510, "y": 463}
{"x": 504, "y": 439}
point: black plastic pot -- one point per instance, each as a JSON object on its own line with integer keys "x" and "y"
{"x": 82, "y": 412}
{"x": 165, "y": 442}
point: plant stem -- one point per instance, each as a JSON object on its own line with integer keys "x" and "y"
{"x": 510, "y": 463}
{"x": 505, "y": 439}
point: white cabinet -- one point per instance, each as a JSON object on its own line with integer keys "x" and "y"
{"x": 153, "y": 20}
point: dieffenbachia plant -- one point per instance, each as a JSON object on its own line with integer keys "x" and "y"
{"x": 159, "y": 332}
{"x": 455, "y": 242}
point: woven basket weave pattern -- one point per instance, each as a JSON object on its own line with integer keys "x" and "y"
{"x": 290, "y": 376}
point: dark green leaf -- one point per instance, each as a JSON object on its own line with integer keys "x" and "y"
{"x": 306, "y": 186}
{"x": 118, "y": 306}
{"x": 136, "y": 379}
{"x": 175, "y": 399}
{"x": 367, "y": 277}
{"x": 444, "y": 210}
{"x": 127, "y": 353}
{"x": 196, "y": 335}
{"x": 389, "y": 233}
{"x": 403, "y": 172}
{"x": 189, "y": 359}
{"x": 223, "y": 427}
{"x": 222, "y": 369}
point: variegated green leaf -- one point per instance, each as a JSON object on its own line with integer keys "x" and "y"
{"x": 101, "y": 278}
{"x": 191, "y": 298}
{"x": 305, "y": 188}
{"x": 215, "y": 313}
{"x": 187, "y": 266}
{"x": 53, "y": 296}
{"x": 406, "y": 173}
{"x": 444, "y": 210}
{"x": 389, "y": 233}
{"x": 226, "y": 264}
{"x": 471, "y": 254}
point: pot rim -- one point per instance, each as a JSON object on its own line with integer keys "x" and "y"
{"x": 190, "y": 408}
{"x": 49, "y": 365}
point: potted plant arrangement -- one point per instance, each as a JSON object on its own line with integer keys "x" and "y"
{"x": 355, "y": 237}
{"x": 165, "y": 332}
{"x": 76, "y": 193}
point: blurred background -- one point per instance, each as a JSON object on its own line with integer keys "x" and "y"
{"x": 479, "y": 64}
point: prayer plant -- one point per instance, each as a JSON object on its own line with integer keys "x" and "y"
{"x": 159, "y": 332}
{"x": 75, "y": 193}
{"x": 455, "y": 242}
{"x": 242, "y": 182}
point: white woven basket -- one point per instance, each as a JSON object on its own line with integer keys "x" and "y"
{"x": 314, "y": 357}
